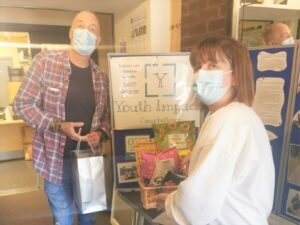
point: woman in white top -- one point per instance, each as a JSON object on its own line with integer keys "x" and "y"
{"x": 231, "y": 173}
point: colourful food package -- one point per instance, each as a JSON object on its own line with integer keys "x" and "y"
{"x": 145, "y": 151}
{"x": 181, "y": 135}
{"x": 154, "y": 166}
{"x": 167, "y": 160}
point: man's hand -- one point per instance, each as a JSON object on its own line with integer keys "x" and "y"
{"x": 93, "y": 138}
{"x": 68, "y": 128}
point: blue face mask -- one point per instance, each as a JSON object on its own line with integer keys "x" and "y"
{"x": 288, "y": 41}
{"x": 84, "y": 42}
{"x": 209, "y": 86}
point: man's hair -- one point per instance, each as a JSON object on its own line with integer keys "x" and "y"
{"x": 268, "y": 33}
{"x": 272, "y": 31}
{"x": 236, "y": 54}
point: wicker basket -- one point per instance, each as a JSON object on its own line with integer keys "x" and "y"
{"x": 149, "y": 193}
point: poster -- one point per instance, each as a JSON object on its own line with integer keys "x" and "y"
{"x": 127, "y": 172}
{"x": 293, "y": 176}
{"x": 138, "y": 26}
{"x": 293, "y": 203}
{"x": 269, "y": 99}
{"x": 148, "y": 89}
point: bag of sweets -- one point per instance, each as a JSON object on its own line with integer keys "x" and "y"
{"x": 152, "y": 166}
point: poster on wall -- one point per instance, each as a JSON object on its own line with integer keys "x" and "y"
{"x": 293, "y": 204}
{"x": 149, "y": 89}
{"x": 293, "y": 176}
{"x": 127, "y": 172}
{"x": 138, "y": 25}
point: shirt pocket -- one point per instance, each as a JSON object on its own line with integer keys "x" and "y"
{"x": 52, "y": 100}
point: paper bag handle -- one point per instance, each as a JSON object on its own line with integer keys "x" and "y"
{"x": 78, "y": 146}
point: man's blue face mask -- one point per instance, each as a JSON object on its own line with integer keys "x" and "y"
{"x": 84, "y": 42}
{"x": 288, "y": 41}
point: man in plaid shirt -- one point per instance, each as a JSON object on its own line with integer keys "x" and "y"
{"x": 64, "y": 96}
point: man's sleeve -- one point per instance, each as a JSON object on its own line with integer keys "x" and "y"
{"x": 105, "y": 126}
{"x": 28, "y": 101}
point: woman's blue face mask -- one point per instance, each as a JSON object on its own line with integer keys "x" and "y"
{"x": 209, "y": 85}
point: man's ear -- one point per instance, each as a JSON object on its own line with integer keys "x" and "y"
{"x": 99, "y": 39}
{"x": 70, "y": 33}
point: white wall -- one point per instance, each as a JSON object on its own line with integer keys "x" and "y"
{"x": 35, "y": 16}
{"x": 160, "y": 25}
{"x": 157, "y": 38}
{"x": 123, "y": 28}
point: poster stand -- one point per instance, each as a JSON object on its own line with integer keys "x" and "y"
{"x": 145, "y": 89}
{"x": 276, "y": 72}
{"x": 156, "y": 88}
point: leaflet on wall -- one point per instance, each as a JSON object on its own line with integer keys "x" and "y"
{"x": 298, "y": 89}
{"x": 296, "y": 119}
{"x": 138, "y": 26}
{"x": 127, "y": 172}
{"x": 271, "y": 61}
{"x": 293, "y": 176}
{"x": 149, "y": 89}
{"x": 269, "y": 99}
{"x": 293, "y": 203}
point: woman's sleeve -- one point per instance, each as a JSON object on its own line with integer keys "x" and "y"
{"x": 199, "y": 198}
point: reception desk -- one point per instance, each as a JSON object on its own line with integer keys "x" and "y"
{"x": 15, "y": 136}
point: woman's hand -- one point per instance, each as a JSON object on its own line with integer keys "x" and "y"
{"x": 161, "y": 198}
{"x": 184, "y": 167}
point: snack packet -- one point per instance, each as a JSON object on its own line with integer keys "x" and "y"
{"x": 179, "y": 134}
{"x": 145, "y": 150}
{"x": 166, "y": 161}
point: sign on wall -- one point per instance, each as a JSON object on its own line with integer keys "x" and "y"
{"x": 149, "y": 89}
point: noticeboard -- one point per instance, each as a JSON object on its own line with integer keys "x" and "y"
{"x": 146, "y": 89}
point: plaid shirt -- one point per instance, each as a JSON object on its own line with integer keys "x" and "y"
{"x": 41, "y": 98}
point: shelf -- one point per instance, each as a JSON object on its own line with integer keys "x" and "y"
{"x": 11, "y": 122}
{"x": 272, "y": 6}
{"x": 270, "y": 12}
{"x": 24, "y": 61}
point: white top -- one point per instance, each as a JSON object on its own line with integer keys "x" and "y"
{"x": 231, "y": 175}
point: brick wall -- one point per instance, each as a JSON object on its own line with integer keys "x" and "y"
{"x": 203, "y": 18}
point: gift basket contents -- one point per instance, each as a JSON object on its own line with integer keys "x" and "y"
{"x": 161, "y": 162}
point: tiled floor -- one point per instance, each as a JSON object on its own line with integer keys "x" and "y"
{"x": 29, "y": 206}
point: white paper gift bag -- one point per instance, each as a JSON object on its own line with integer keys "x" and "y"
{"x": 89, "y": 180}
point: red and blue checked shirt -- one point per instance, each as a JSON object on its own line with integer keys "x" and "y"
{"x": 41, "y": 98}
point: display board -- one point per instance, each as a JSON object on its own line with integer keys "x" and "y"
{"x": 146, "y": 89}
{"x": 149, "y": 89}
{"x": 290, "y": 193}
{"x": 272, "y": 69}
{"x": 277, "y": 102}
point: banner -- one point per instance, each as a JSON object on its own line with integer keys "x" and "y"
{"x": 149, "y": 89}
